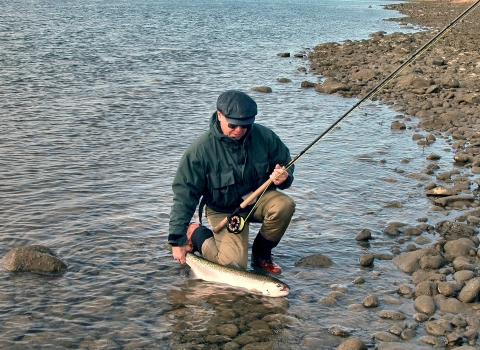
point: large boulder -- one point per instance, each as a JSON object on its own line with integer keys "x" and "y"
{"x": 34, "y": 258}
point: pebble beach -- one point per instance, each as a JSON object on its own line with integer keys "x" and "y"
{"x": 438, "y": 97}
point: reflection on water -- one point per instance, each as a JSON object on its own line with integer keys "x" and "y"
{"x": 99, "y": 101}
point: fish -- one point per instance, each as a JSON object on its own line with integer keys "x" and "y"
{"x": 201, "y": 268}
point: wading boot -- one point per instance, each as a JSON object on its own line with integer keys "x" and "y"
{"x": 262, "y": 254}
{"x": 266, "y": 263}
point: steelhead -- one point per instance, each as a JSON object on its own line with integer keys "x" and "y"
{"x": 206, "y": 270}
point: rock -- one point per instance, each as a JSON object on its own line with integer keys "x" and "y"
{"x": 392, "y": 315}
{"x": 462, "y": 263}
{"x": 453, "y": 230}
{"x": 391, "y": 230}
{"x": 424, "y": 304}
{"x": 34, "y": 258}
{"x": 470, "y": 293}
{"x": 404, "y": 290}
{"x": 315, "y": 260}
{"x": 228, "y": 329}
{"x": 366, "y": 259}
{"x": 371, "y": 301}
{"x": 339, "y": 331}
{"x": 458, "y": 247}
{"x": 422, "y": 258}
{"x": 396, "y": 125}
{"x": 364, "y": 235}
{"x": 450, "y": 305}
{"x": 359, "y": 280}
{"x": 450, "y": 288}
{"x": 284, "y": 80}
{"x": 420, "y": 317}
{"x": 426, "y": 288}
{"x": 352, "y": 344}
{"x": 307, "y": 84}
{"x": 264, "y": 89}
{"x": 463, "y": 276}
{"x": 438, "y": 327}
{"x": 385, "y": 336}
{"x": 434, "y": 341}
{"x": 283, "y": 54}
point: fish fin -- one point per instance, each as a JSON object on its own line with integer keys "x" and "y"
{"x": 192, "y": 275}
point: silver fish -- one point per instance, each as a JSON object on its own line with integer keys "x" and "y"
{"x": 206, "y": 270}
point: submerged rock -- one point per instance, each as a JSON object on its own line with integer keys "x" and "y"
{"x": 34, "y": 258}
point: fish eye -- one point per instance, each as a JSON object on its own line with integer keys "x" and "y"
{"x": 279, "y": 285}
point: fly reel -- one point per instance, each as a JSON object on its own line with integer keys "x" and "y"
{"x": 235, "y": 223}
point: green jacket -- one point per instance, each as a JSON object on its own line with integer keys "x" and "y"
{"x": 222, "y": 170}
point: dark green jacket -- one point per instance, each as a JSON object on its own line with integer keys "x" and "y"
{"x": 222, "y": 170}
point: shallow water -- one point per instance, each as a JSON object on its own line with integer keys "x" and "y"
{"x": 98, "y": 102}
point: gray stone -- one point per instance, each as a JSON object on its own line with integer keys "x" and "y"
{"x": 424, "y": 304}
{"x": 316, "y": 260}
{"x": 366, "y": 259}
{"x": 364, "y": 235}
{"x": 371, "y": 301}
{"x": 352, "y": 344}
{"x": 34, "y": 258}
{"x": 470, "y": 293}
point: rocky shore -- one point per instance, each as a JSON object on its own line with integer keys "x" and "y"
{"x": 439, "y": 97}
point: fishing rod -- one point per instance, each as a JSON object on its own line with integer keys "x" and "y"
{"x": 235, "y": 223}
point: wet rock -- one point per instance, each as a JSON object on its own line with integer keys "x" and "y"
{"x": 385, "y": 336}
{"x": 359, "y": 280}
{"x": 438, "y": 327}
{"x": 405, "y": 291}
{"x": 264, "y": 89}
{"x": 470, "y": 293}
{"x": 397, "y": 328}
{"x": 396, "y": 125}
{"x": 34, "y": 258}
{"x": 391, "y": 230}
{"x": 421, "y": 317}
{"x": 283, "y": 54}
{"x": 412, "y": 231}
{"x": 371, "y": 301}
{"x": 307, "y": 84}
{"x": 352, "y": 344}
{"x": 426, "y": 288}
{"x": 450, "y": 305}
{"x": 316, "y": 260}
{"x": 284, "y": 80}
{"x": 458, "y": 247}
{"x": 366, "y": 259}
{"x": 450, "y": 288}
{"x": 454, "y": 230}
{"x": 462, "y": 263}
{"x": 434, "y": 341}
{"x": 463, "y": 276}
{"x": 407, "y": 334}
{"x": 391, "y": 315}
{"x": 339, "y": 331}
{"x": 425, "y": 305}
{"x": 228, "y": 329}
{"x": 364, "y": 235}
{"x": 423, "y": 258}
{"x": 422, "y": 275}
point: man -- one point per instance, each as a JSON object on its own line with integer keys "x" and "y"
{"x": 230, "y": 161}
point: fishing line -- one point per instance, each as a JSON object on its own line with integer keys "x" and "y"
{"x": 235, "y": 223}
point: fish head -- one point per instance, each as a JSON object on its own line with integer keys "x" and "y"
{"x": 275, "y": 289}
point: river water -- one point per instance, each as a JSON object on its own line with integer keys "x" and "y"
{"x": 98, "y": 101}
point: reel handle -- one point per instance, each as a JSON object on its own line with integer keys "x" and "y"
{"x": 244, "y": 204}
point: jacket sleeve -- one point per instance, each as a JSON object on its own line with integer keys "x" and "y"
{"x": 280, "y": 154}
{"x": 188, "y": 186}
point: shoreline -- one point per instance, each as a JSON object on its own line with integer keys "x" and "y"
{"x": 438, "y": 96}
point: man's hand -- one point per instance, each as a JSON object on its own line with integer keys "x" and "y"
{"x": 179, "y": 253}
{"x": 277, "y": 176}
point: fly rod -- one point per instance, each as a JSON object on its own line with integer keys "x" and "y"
{"x": 235, "y": 222}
